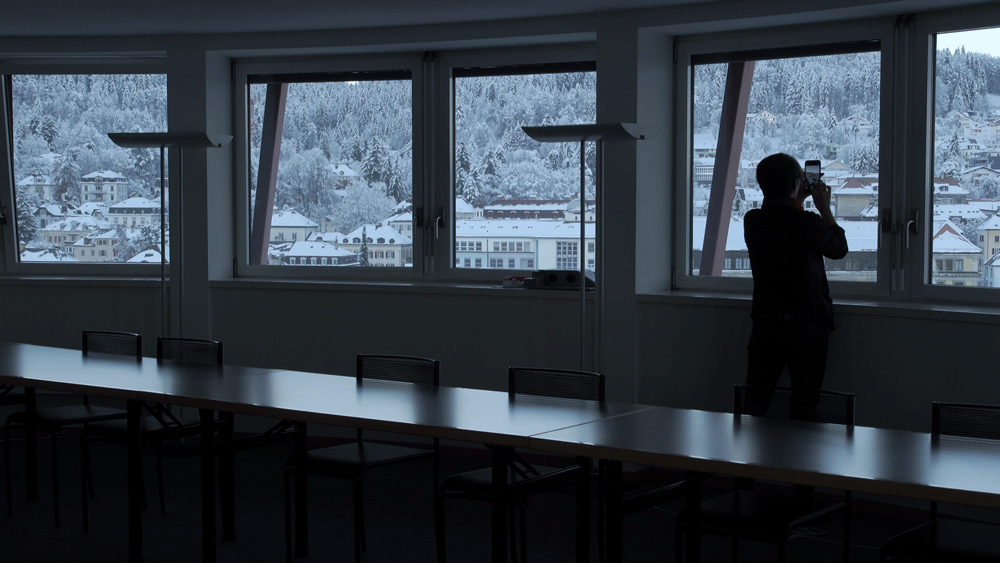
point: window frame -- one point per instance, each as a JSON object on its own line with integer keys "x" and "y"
{"x": 783, "y": 42}
{"x": 10, "y": 263}
{"x": 444, "y": 149}
{"x": 242, "y": 69}
{"x": 920, "y": 95}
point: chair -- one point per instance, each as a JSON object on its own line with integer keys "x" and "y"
{"x": 523, "y": 479}
{"x": 160, "y": 425}
{"x": 770, "y": 516}
{"x": 945, "y": 539}
{"x": 352, "y": 460}
{"x": 52, "y": 420}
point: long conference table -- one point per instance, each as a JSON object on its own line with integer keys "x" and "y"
{"x": 861, "y": 459}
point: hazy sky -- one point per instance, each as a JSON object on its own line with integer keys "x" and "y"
{"x": 979, "y": 41}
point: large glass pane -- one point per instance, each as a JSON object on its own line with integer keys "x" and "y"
{"x": 517, "y": 201}
{"x": 342, "y": 191}
{"x": 965, "y": 190}
{"x": 814, "y": 108}
{"x": 79, "y": 197}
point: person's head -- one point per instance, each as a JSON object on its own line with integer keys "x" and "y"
{"x": 777, "y": 175}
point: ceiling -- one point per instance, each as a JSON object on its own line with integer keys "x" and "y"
{"x": 138, "y": 17}
{"x": 25, "y": 18}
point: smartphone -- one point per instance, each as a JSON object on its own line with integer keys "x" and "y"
{"x": 813, "y": 173}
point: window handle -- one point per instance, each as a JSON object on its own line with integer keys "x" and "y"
{"x": 913, "y": 226}
{"x": 885, "y": 226}
{"x": 438, "y": 223}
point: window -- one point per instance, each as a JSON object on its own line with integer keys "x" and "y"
{"x": 504, "y": 180}
{"x": 356, "y": 157}
{"x": 63, "y": 159}
{"x": 566, "y": 255}
{"x": 345, "y": 164}
{"x": 813, "y": 93}
{"x": 807, "y": 106}
{"x": 964, "y": 103}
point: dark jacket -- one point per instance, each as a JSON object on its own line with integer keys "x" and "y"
{"x": 786, "y": 247}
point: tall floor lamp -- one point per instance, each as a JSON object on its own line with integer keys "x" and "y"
{"x": 597, "y": 133}
{"x": 163, "y": 141}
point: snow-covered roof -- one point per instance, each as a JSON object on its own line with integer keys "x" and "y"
{"x": 108, "y": 234}
{"x": 47, "y": 255}
{"x": 405, "y": 217}
{"x": 291, "y": 218}
{"x": 991, "y": 224}
{"x": 52, "y": 209}
{"x": 734, "y": 239}
{"x": 318, "y": 249}
{"x": 862, "y": 236}
{"x": 532, "y": 228}
{"x": 949, "y": 242}
{"x": 103, "y": 174}
{"x": 78, "y": 223}
{"x": 964, "y": 211}
{"x": 945, "y": 187}
{"x": 135, "y": 203}
{"x": 150, "y": 256}
{"x": 529, "y": 205}
{"x": 704, "y": 141}
{"x": 388, "y": 234}
{"x": 333, "y": 236}
{"x": 36, "y": 180}
{"x": 462, "y": 206}
{"x": 987, "y": 206}
{"x": 90, "y": 207}
{"x": 343, "y": 170}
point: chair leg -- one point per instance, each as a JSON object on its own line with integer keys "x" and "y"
{"x": 55, "y": 478}
{"x": 511, "y": 534}
{"x": 439, "y": 526}
{"x": 679, "y": 539}
{"x": 84, "y": 497}
{"x": 288, "y": 515}
{"x": 524, "y": 533}
{"x": 159, "y": 476}
{"x": 602, "y": 525}
{"x": 359, "y": 522}
{"x": 7, "y": 478}
{"x": 847, "y": 526}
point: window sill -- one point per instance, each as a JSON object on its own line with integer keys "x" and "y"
{"x": 927, "y": 310}
{"x": 382, "y": 286}
{"x": 78, "y": 281}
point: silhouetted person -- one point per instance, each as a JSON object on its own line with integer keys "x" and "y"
{"x": 792, "y": 310}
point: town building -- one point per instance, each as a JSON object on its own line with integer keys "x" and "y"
{"x": 135, "y": 212}
{"x": 103, "y": 186}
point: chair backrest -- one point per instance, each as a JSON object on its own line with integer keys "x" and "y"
{"x": 106, "y": 342}
{"x": 815, "y": 405}
{"x": 562, "y": 383}
{"x": 189, "y": 350}
{"x": 966, "y": 420}
{"x": 406, "y": 369}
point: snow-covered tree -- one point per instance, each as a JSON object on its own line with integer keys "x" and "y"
{"x": 363, "y": 249}
{"x": 27, "y": 204}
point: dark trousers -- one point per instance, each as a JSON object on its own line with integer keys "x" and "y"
{"x": 800, "y": 347}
